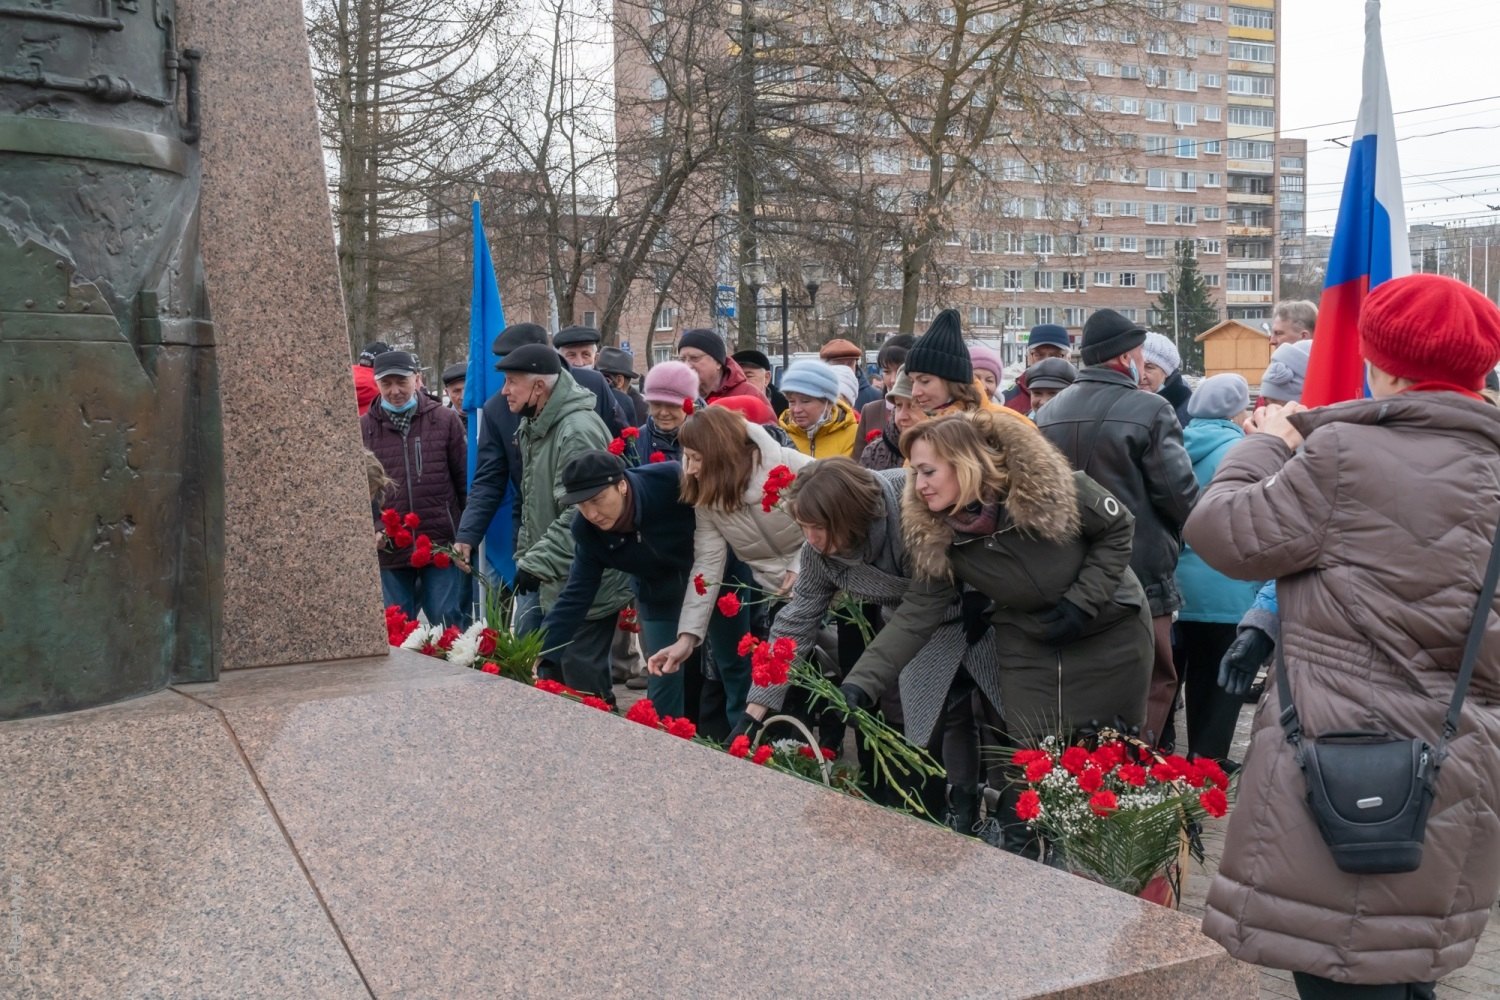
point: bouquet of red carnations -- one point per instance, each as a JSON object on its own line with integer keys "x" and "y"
{"x": 1117, "y": 813}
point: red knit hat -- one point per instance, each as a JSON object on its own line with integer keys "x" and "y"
{"x": 752, "y": 408}
{"x": 1432, "y": 329}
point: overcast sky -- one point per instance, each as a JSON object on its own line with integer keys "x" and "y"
{"x": 1436, "y": 52}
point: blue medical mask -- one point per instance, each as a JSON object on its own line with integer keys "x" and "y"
{"x": 405, "y": 407}
{"x": 1135, "y": 373}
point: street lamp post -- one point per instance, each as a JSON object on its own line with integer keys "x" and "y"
{"x": 754, "y": 275}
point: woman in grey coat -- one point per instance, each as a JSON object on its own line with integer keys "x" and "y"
{"x": 851, "y": 520}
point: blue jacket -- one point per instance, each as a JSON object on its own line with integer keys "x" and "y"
{"x": 657, "y": 555}
{"x": 655, "y": 439}
{"x": 499, "y": 462}
{"x": 1208, "y": 595}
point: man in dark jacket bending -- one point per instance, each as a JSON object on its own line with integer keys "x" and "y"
{"x": 1130, "y": 442}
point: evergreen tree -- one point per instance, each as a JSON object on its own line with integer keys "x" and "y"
{"x": 1186, "y": 308}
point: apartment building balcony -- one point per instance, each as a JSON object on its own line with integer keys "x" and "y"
{"x": 1232, "y": 230}
{"x": 1233, "y": 263}
{"x": 1248, "y": 298}
{"x": 1251, "y": 166}
{"x": 1234, "y": 197}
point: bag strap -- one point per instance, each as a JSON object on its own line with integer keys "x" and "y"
{"x": 1292, "y": 725}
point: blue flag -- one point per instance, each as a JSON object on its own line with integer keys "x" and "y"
{"x": 486, "y": 320}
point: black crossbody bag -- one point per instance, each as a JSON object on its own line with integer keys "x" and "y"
{"x": 1370, "y": 792}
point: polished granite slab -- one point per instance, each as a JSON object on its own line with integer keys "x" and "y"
{"x": 471, "y": 837}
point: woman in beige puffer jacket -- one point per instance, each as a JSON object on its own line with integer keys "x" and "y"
{"x": 1378, "y": 532}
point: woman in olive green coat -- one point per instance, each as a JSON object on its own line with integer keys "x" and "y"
{"x": 990, "y": 503}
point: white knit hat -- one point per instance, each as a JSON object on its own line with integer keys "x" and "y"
{"x": 848, "y": 383}
{"x": 1161, "y": 352}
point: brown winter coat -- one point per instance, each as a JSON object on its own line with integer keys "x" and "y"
{"x": 428, "y": 466}
{"x": 1378, "y": 532}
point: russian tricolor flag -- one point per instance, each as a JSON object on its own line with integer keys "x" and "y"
{"x": 1369, "y": 240}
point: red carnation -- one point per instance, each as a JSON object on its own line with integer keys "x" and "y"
{"x": 681, "y": 728}
{"x": 445, "y": 641}
{"x": 687, "y": 407}
{"x": 658, "y": 456}
{"x": 630, "y": 433}
{"x": 729, "y": 604}
{"x": 486, "y": 644}
{"x": 1214, "y": 802}
{"x": 1074, "y": 760}
{"x": 1133, "y": 774}
{"x": 401, "y": 538}
{"x": 699, "y": 585}
{"x": 1039, "y": 768}
{"x": 740, "y": 747}
{"x": 806, "y": 751}
{"x": 390, "y": 519}
{"x": 872, "y": 435}
{"x": 491, "y": 668}
{"x": 550, "y": 686}
{"x": 1029, "y": 805}
{"x": 1109, "y": 756}
{"x": 645, "y": 713}
{"x": 442, "y": 560}
{"x": 762, "y": 754}
{"x": 595, "y": 702}
{"x": 420, "y": 557}
{"x": 767, "y": 502}
{"x": 1091, "y": 780}
{"x": 617, "y": 446}
{"x": 784, "y": 648}
{"x": 411, "y": 520}
{"x": 1023, "y": 758}
{"x": 747, "y": 645}
{"x": 827, "y": 753}
{"x": 1213, "y": 772}
{"x": 1103, "y": 803}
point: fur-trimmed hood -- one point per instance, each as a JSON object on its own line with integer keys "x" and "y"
{"x": 1041, "y": 496}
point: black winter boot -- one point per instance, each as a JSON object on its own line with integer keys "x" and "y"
{"x": 990, "y": 829}
{"x": 963, "y": 809}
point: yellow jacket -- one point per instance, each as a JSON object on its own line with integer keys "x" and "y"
{"x": 839, "y": 434}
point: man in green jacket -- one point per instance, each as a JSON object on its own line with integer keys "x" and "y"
{"x": 558, "y": 422}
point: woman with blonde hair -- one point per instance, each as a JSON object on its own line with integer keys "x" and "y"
{"x": 725, "y": 462}
{"x": 992, "y": 505}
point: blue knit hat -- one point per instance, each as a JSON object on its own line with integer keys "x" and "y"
{"x": 811, "y": 378}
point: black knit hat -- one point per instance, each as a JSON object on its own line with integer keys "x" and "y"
{"x": 707, "y": 341}
{"x": 1108, "y": 335}
{"x": 941, "y": 351}
{"x": 518, "y": 335}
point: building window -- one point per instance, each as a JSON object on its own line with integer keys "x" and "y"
{"x": 588, "y": 285}
{"x": 1248, "y": 281}
{"x": 1292, "y": 182}
{"x": 1156, "y": 179}
{"x": 1251, "y": 17}
{"x": 1043, "y": 280}
{"x": 591, "y": 318}
{"x": 1103, "y": 244}
{"x": 1186, "y": 215}
{"x": 1133, "y": 315}
{"x": 1015, "y": 243}
{"x": 981, "y": 241}
{"x": 979, "y": 316}
{"x": 1211, "y": 147}
{"x": 1073, "y": 316}
{"x": 1184, "y": 180}
{"x": 1212, "y": 180}
{"x": 1012, "y": 279}
{"x": 1072, "y": 281}
{"x": 984, "y": 279}
{"x": 1213, "y": 81}
{"x": 1041, "y": 244}
{"x": 1213, "y": 113}
{"x": 1291, "y": 163}
{"x": 1101, "y": 206}
{"x": 1258, "y": 117}
{"x": 1252, "y": 85}
{"x": 1043, "y": 314}
{"x": 1128, "y": 209}
{"x": 1210, "y": 246}
{"x": 1211, "y": 12}
{"x": 1212, "y": 213}
{"x": 1156, "y": 111}
{"x": 1156, "y": 45}
{"x": 1186, "y": 114}
{"x": 1187, "y": 80}
{"x": 1252, "y": 52}
{"x": 1211, "y": 280}
{"x": 1156, "y": 145}
{"x": 1129, "y": 105}
{"x": 1156, "y": 247}
{"x": 1187, "y": 149}
{"x": 1156, "y": 214}
{"x": 1249, "y": 149}
{"x": 1103, "y": 279}
{"x": 1127, "y": 279}
{"x": 1156, "y": 281}
{"x": 1128, "y": 244}
{"x": 666, "y": 318}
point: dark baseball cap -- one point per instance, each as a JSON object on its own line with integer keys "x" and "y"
{"x": 586, "y": 473}
{"x": 396, "y": 363}
{"x": 532, "y": 359}
{"x": 374, "y": 347}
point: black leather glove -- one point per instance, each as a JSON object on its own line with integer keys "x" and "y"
{"x": 1062, "y": 624}
{"x": 976, "y": 612}
{"x": 1243, "y": 660}
{"x": 856, "y": 697}
{"x": 748, "y": 726}
{"x": 526, "y": 583}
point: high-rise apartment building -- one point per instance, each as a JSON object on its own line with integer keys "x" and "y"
{"x": 1182, "y": 115}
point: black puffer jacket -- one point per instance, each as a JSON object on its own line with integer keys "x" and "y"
{"x": 1129, "y": 442}
{"x": 429, "y": 465}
